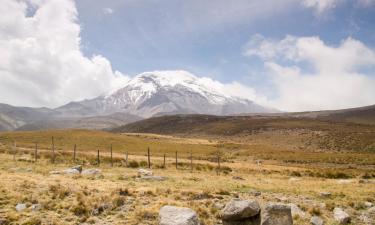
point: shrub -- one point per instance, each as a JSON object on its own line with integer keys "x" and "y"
{"x": 133, "y": 164}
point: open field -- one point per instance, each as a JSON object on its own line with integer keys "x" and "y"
{"x": 286, "y": 174}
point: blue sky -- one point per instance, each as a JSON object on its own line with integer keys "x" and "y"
{"x": 142, "y": 35}
{"x": 293, "y": 54}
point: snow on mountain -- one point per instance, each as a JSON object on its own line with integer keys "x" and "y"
{"x": 169, "y": 92}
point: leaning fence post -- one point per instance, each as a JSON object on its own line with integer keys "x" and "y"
{"x": 164, "y": 162}
{"x": 36, "y": 153}
{"x": 98, "y": 158}
{"x": 111, "y": 157}
{"x": 176, "y": 161}
{"x": 74, "y": 152}
{"x": 148, "y": 157}
{"x": 53, "y": 150}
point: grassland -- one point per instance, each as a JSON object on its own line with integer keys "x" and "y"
{"x": 275, "y": 162}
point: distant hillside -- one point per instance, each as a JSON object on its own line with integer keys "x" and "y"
{"x": 93, "y": 123}
{"x": 285, "y": 131}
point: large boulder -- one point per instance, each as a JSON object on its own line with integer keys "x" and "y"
{"x": 172, "y": 215}
{"x": 238, "y": 209}
{"x": 276, "y": 214}
{"x": 341, "y": 216}
{"x": 241, "y": 212}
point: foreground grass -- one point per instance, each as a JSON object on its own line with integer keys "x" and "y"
{"x": 119, "y": 197}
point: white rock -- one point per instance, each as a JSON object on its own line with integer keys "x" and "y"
{"x": 144, "y": 172}
{"x": 20, "y": 207}
{"x": 342, "y": 181}
{"x": 172, "y": 215}
{"x": 341, "y": 216}
{"x": 368, "y": 204}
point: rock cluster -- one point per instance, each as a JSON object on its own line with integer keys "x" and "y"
{"x": 235, "y": 212}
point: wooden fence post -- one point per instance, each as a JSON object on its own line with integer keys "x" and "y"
{"x": 218, "y": 163}
{"x": 111, "y": 157}
{"x": 74, "y": 152}
{"x": 98, "y": 158}
{"x": 53, "y": 150}
{"x": 191, "y": 160}
{"x": 148, "y": 157}
{"x": 164, "y": 162}
{"x": 36, "y": 152}
{"x": 126, "y": 159}
{"x": 14, "y": 150}
{"x": 176, "y": 161}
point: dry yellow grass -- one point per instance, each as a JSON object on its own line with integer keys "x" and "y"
{"x": 118, "y": 197}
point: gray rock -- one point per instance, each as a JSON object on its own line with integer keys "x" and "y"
{"x": 78, "y": 167}
{"x": 70, "y": 171}
{"x": 144, "y": 172}
{"x": 91, "y": 172}
{"x": 316, "y": 220}
{"x": 341, "y": 216}
{"x": 20, "y": 207}
{"x": 296, "y": 211}
{"x": 276, "y": 214}
{"x": 172, "y": 215}
{"x": 371, "y": 210}
{"x": 368, "y": 204}
{"x": 238, "y": 209}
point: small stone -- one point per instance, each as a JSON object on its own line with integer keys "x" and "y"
{"x": 35, "y": 207}
{"x": 276, "y": 214}
{"x": 368, "y": 204}
{"x": 238, "y": 209}
{"x": 237, "y": 178}
{"x": 371, "y": 210}
{"x": 172, "y": 215}
{"x": 316, "y": 220}
{"x": 325, "y": 194}
{"x": 341, "y": 216}
{"x": 20, "y": 207}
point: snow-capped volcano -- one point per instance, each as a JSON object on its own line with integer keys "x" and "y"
{"x": 169, "y": 92}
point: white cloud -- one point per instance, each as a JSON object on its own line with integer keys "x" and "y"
{"x": 334, "y": 81}
{"x": 41, "y": 61}
{"x": 321, "y": 6}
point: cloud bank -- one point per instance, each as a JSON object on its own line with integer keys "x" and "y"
{"x": 311, "y": 75}
{"x": 41, "y": 61}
